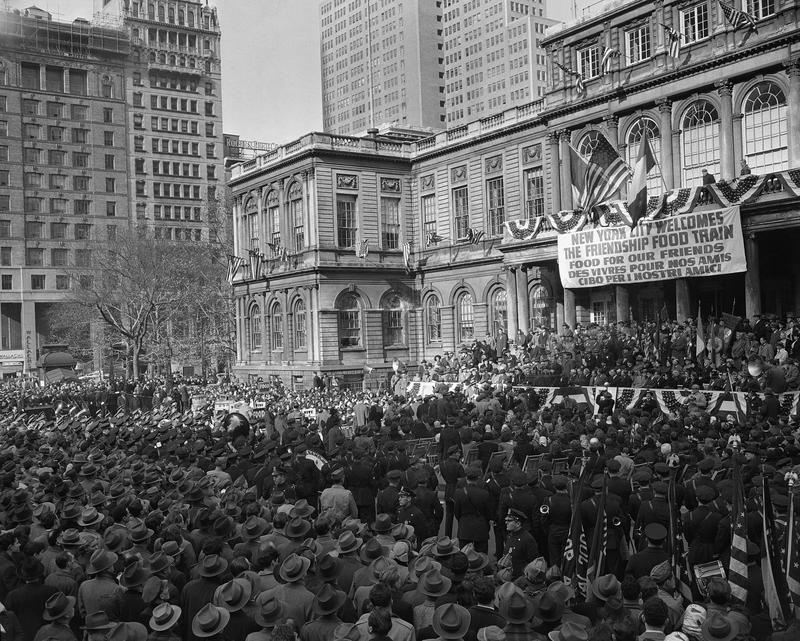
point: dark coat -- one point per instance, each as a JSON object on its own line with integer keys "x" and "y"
{"x": 473, "y": 511}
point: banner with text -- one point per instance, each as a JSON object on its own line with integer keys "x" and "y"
{"x": 706, "y": 243}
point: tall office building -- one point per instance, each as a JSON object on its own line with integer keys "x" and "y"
{"x": 493, "y": 57}
{"x": 174, "y": 93}
{"x": 382, "y": 63}
{"x": 63, "y": 177}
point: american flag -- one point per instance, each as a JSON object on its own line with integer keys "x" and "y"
{"x": 407, "y": 255}
{"x": 680, "y": 563}
{"x": 737, "y": 567}
{"x": 674, "y": 40}
{"x": 473, "y": 236}
{"x": 234, "y": 264}
{"x": 362, "y": 249}
{"x": 737, "y": 18}
{"x": 597, "y": 551}
{"x": 628, "y": 397}
{"x": 792, "y": 548}
{"x": 608, "y": 55}
{"x": 579, "y": 85}
{"x": 432, "y": 238}
{"x": 775, "y": 583}
{"x": 256, "y": 264}
{"x": 605, "y": 174}
{"x": 671, "y": 400}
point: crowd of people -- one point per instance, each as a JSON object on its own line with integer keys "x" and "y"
{"x": 339, "y": 514}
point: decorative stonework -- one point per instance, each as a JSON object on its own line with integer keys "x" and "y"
{"x": 391, "y": 185}
{"x": 458, "y": 174}
{"x": 272, "y": 198}
{"x": 295, "y": 191}
{"x": 532, "y": 153}
{"x": 346, "y": 181}
{"x": 427, "y": 182}
{"x": 494, "y": 164}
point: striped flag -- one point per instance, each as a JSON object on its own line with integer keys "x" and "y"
{"x": 578, "y": 82}
{"x": 674, "y": 41}
{"x": 645, "y": 162}
{"x": 234, "y": 264}
{"x": 255, "y": 264}
{"x": 362, "y": 249}
{"x": 605, "y": 174}
{"x": 737, "y": 567}
{"x": 407, "y": 255}
{"x": 792, "y": 548}
{"x": 776, "y": 591}
{"x": 432, "y": 238}
{"x": 598, "y": 548}
{"x": 578, "y": 168}
{"x": 678, "y": 546}
{"x": 474, "y": 236}
{"x": 737, "y": 18}
{"x": 609, "y": 55}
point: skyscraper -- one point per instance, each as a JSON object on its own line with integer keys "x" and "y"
{"x": 174, "y": 93}
{"x": 382, "y": 63}
{"x": 493, "y": 59}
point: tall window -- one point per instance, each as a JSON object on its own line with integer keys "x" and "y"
{"x": 390, "y": 223}
{"x": 534, "y": 192}
{"x": 655, "y": 185}
{"x": 433, "y": 319}
{"x": 637, "y": 44}
{"x": 760, "y": 9}
{"x": 428, "y": 208}
{"x": 274, "y": 216}
{"x": 588, "y": 143}
{"x": 499, "y": 312}
{"x": 695, "y": 23}
{"x": 255, "y": 328}
{"x": 700, "y": 142}
{"x": 346, "y": 224}
{"x": 393, "y": 326}
{"x": 496, "y": 205}
{"x": 542, "y": 312}
{"x": 765, "y": 129}
{"x": 465, "y": 324}
{"x": 598, "y": 312}
{"x": 349, "y": 321}
{"x": 461, "y": 211}
{"x": 589, "y": 62}
{"x": 296, "y": 214}
{"x": 251, "y": 223}
{"x": 276, "y": 325}
{"x": 299, "y": 320}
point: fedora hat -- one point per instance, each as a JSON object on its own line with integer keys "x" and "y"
{"x": 476, "y": 560}
{"x": 58, "y": 606}
{"x": 445, "y": 546}
{"x": 491, "y": 633}
{"x": 133, "y": 575}
{"x": 434, "y": 584}
{"x": 348, "y": 542}
{"x": 116, "y": 539}
{"x": 270, "y": 611}
{"x": 420, "y": 566}
{"x": 380, "y": 565}
{"x": 302, "y": 509}
{"x": 548, "y": 607}
{"x": 346, "y": 632}
{"x": 382, "y": 524}
{"x": 517, "y": 608}
{"x": 210, "y": 621}
{"x": 31, "y": 569}
{"x": 165, "y": 615}
{"x": 356, "y": 526}
{"x": 297, "y": 528}
{"x": 97, "y": 498}
{"x": 451, "y": 621}
{"x": 69, "y": 537}
{"x": 328, "y": 567}
{"x": 372, "y": 550}
{"x": 328, "y": 600}
{"x": 100, "y": 561}
{"x": 402, "y": 531}
{"x": 294, "y": 568}
{"x": 569, "y": 631}
{"x": 159, "y": 561}
{"x": 717, "y": 627}
{"x": 128, "y": 631}
{"x": 97, "y": 621}
{"x": 140, "y": 532}
{"x": 253, "y": 527}
{"x": 606, "y": 586}
{"x": 212, "y": 565}
{"x": 233, "y": 595}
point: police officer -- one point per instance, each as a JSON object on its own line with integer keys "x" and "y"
{"x": 655, "y": 510}
{"x": 473, "y": 508}
{"x": 410, "y": 514}
{"x": 451, "y": 471}
{"x": 557, "y": 518}
{"x": 701, "y": 527}
{"x": 641, "y": 563}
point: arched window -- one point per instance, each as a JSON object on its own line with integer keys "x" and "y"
{"x": 296, "y": 216}
{"x": 349, "y": 308}
{"x": 161, "y": 13}
{"x": 465, "y": 324}
{"x": 255, "y": 328}
{"x": 394, "y": 331}
{"x": 173, "y": 61}
{"x": 655, "y": 185}
{"x": 766, "y": 146}
{"x": 171, "y": 15}
{"x": 151, "y": 11}
{"x": 433, "y": 319}
{"x": 699, "y": 142}
{"x": 274, "y": 219}
{"x": 542, "y": 312}
{"x": 276, "y": 326}
{"x": 152, "y": 56}
{"x": 299, "y": 320}
{"x": 190, "y": 18}
{"x": 498, "y": 312}
{"x": 588, "y": 143}
{"x": 251, "y": 223}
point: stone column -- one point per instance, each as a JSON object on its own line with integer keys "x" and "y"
{"x": 752, "y": 278}
{"x": 727, "y": 167}
{"x": 239, "y": 330}
{"x": 612, "y": 130}
{"x": 555, "y": 170}
{"x": 311, "y": 191}
{"x": 665, "y": 126}
{"x": 566, "y": 170}
{"x": 570, "y": 315}
{"x": 682, "y": 305}
{"x": 265, "y": 351}
{"x": 237, "y": 228}
{"x": 511, "y": 302}
{"x": 793, "y": 71}
{"x": 738, "y": 149}
{"x": 676, "y": 159}
{"x": 623, "y": 302}
{"x": 523, "y": 304}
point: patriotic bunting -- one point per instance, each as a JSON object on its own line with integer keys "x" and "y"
{"x": 525, "y": 229}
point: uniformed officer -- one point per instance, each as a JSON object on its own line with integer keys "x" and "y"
{"x": 655, "y": 510}
{"x": 451, "y": 471}
{"x": 388, "y": 502}
{"x": 703, "y": 477}
{"x": 701, "y": 527}
{"x": 641, "y": 563}
{"x": 641, "y": 477}
{"x": 473, "y": 508}
{"x": 410, "y": 514}
{"x": 559, "y": 514}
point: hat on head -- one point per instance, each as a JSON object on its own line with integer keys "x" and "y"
{"x": 517, "y": 608}
{"x": 491, "y": 633}
{"x": 420, "y": 566}
{"x": 297, "y": 528}
{"x": 128, "y": 631}
{"x": 90, "y": 516}
{"x": 693, "y": 617}
{"x": 444, "y": 547}
{"x": 302, "y": 509}
{"x": 606, "y": 586}
{"x": 328, "y": 600}
{"x": 570, "y": 631}
{"x": 328, "y": 567}
{"x": 451, "y": 621}
{"x": 382, "y": 524}
{"x": 717, "y": 627}
{"x": 140, "y": 533}
{"x": 233, "y": 595}
{"x": 372, "y": 550}
{"x": 165, "y": 615}
{"x": 58, "y": 606}
{"x": 655, "y": 532}
{"x": 661, "y": 572}
{"x": 434, "y": 584}
{"x": 133, "y": 575}
{"x": 348, "y": 542}
{"x": 253, "y": 527}
{"x": 210, "y": 621}
{"x": 473, "y": 473}
{"x": 294, "y": 568}
{"x": 212, "y": 565}
{"x": 548, "y": 607}
{"x": 270, "y": 611}
{"x": 100, "y": 561}
{"x": 97, "y": 621}
{"x": 394, "y": 475}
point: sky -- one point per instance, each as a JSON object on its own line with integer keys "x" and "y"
{"x": 271, "y": 88}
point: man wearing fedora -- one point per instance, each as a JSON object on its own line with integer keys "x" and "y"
{"x": 128, "y": 604}
{"x": 163, "y": 621}
{"x": 474, "y": 510}
{"x": 451, "y": 622}
{"x": 234, "y": 596}
{"x": 297, "y": 599}
{"x": 28, "y": 601}
{"x": 198, "y": 593}
{"x": 96, "y": 593}
{"x": 58, "y": 612}
{"x": 97, "y": 626}
{"x": 327, "y": 603}
{"x": 209, "y": 622}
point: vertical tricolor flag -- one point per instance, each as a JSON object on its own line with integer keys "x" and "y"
{"x": 407, "y": 255}
{"x": 700, "y": 345}
{"x": 737, "y": 568}
{"x": 645, "y": 161}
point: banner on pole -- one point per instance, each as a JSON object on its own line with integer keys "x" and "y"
{"x": 706, "y": 243}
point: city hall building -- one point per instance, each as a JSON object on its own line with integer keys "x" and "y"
{"x": 360, "y": 251}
